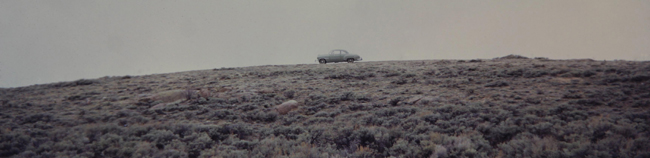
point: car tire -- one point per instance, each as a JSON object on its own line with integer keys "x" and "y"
{"x": 322, "y": 61}
{"x": 350, "y": 60}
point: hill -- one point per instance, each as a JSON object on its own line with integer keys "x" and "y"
{"x": 504, "y": 107}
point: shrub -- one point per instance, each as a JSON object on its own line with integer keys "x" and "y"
{"x": 513, "y": 56}
{"x": 289, "y": 94}
{"x": 181, "y": 130}
{"x": 316, "y": 99}
{"x": 76, "y": 97}
{"x": 290, "y": 119}
{"x": 640, "y": 78}
{"x": 362, "y": 98}
{"x": 201, "y": 143}
{"x": 95, "y": 132}
{"x": 430, "y": 72}
{"x": 409, "y": 75}
{"x": 138, "y": 131}
{"x": 447, "y": 73}
{"x": 400, "y": 112}
{"x": 400, "y": 81}
{"x": 431, "y": 118}
{"x": 13, "y": 143}
{"x": 362, "y": 76}
{"x": 327, "y": 114}
{"x": 339, "y": 76}
{"x": 160, "y": 137}
{"x": 358, "y": 107}
{"x": 558, "y": 72}
{"x": 535, "y": 73}
{"x": 572, "y": 95}
{"x": 348, "y": 96}
{"x": 499, "y": 133}
{"x": 83, "y": 82}
{"x": 289, "y": 132}
{"x": 109, "y": 146}
{"x": 233, "y": 101}
{"x": 171, "y": 154}
{"x": 247, "y": 107}
{"x": 576, "y": 73}
{"x": 588, "y": 102}
{"x": 454, "y": 117}
{"x": 220, "y": 133}
{"x": 395, "y": 101}
{"x": 533, "y": 100}
{"x": 540, "y": 129}
{"x": 641, "y": 103}
{"x": 310, "y": 110}
{"x": 497, "y": 84}
{"x": 393, "y": 74}
{"x": 512, "y": 73}
{"x": 403, "y": 148}
{"x": 568, "y": 113}
{"x": 527, "y": 145}
{"x": 380, "y": 121}
{"x": 261, "y": 116}
{"x": 45, "y": 117}
{"x": 223, "y": 114}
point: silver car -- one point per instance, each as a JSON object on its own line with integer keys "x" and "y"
{"x": 338, "y": 55}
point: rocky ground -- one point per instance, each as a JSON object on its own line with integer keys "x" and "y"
{"x": 504, "y": 107}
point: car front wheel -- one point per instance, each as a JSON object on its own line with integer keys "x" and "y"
{"x": 350, "y": 60}
{"x": 322, "y": 61}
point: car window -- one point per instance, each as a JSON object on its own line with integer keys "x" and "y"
{"x": 339, "y": 52}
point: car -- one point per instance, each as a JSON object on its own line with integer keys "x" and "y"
{"x": 338, "y": 55}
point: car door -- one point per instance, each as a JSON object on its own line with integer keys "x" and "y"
{"x": 341, "y": 56}
{"x": 344, "y": 53}
{"x": 335, "y": 56}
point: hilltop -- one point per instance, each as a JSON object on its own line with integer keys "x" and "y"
{"x": 504, "y": 107}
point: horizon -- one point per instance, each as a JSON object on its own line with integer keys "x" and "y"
{"x": 53, "y": 41}
{"x": 99, "y": 77}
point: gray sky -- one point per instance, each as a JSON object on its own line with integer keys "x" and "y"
{"x": 43, "y": 41}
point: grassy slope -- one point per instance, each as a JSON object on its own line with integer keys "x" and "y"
{"x": 493, "y": 108}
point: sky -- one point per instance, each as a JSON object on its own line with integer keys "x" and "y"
{"x": 45, "y": 41}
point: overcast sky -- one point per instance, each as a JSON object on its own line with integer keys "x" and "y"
{"x": 44, "y": 41}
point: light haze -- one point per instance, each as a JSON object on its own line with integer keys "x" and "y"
{"x": 44, "y": 41}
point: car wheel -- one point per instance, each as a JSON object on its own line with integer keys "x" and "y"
{"x": 322, "y": 61}
{"x": 350, "y": 60}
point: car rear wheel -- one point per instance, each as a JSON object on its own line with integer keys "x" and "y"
{"x": 350, "y": 60}
{"x": 322, "y": 61}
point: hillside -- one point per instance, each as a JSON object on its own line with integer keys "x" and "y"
{"x": 504, "y": 107}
